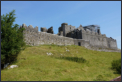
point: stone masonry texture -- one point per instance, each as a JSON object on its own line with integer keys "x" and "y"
{"x": 88, "y": 36}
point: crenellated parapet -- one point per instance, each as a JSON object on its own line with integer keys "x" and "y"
{"x": 30, "y": 28}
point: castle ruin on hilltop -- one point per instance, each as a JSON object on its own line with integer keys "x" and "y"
{"x": 87, "y": 36}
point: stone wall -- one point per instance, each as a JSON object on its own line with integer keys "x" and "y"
{"x": 81, "y": 42}
{"x": 83, "y": 37}
{"x": 93, "y": 35}
{"x": 112, "y": 43}
{"x": 33, "y": 37}
{"x": 66, "y": 28}
{"x": 95, "y": 39}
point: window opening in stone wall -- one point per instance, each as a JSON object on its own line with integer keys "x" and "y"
{"x": 79, "y": 43}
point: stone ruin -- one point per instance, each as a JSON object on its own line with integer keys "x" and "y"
{"x": 87, "y": 36}
{"x": 50, "y": 30}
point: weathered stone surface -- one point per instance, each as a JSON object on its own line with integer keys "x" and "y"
{"x": 50, "y": 30}
{"x": 24, "y": 26}
{"x": 69, "y": 35}
{"x": 43, "y": 29}
{"x": 30, "y": 26}
{"x": 60, "y": 33}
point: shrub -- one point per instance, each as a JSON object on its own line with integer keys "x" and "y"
{"x": 116, "y": 65}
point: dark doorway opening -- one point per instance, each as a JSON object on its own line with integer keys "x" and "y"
{"x": 98, "y": 31}
{"x": 79, "y": 44}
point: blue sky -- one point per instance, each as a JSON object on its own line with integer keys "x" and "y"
{"x": 106, "y": 14}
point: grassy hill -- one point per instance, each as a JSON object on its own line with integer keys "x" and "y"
{"x": 77, "y": 64}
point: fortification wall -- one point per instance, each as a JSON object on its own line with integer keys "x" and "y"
{"x": 112, "y": 43}
{"x": 99, "y": 40}
{"x": 47, "y": 38}
{"x": 33, "y": 37}
{"x": 95, "y": 39}
{"x": 82, "y": 42}
{"x": 89, "y": 39}
{"x": 67, "y": 28}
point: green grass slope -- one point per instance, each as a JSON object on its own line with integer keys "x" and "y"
{"x": 77, "y": 64}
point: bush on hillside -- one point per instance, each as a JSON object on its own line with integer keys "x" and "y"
{"x": 116, "y": 64}
{"x": 11, "y": 38}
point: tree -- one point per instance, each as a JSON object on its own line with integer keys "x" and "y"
{"x": 11, "y": 38}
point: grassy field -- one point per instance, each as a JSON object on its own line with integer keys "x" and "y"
{"x": 35, "y": 65}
